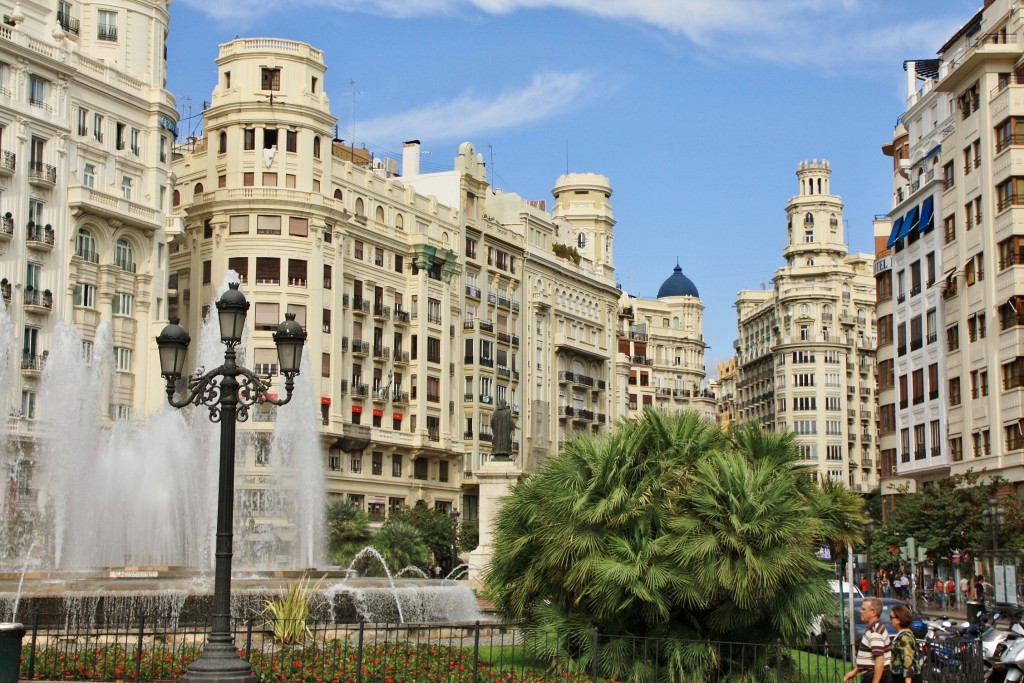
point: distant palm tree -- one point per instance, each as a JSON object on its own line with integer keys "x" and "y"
{"x": 667, "y": 528}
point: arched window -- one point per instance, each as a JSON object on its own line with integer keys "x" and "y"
{"x": 359, "y": 206}
{"x": 198, "y": 190}
{"x": 675, "y": 323}
{"x": 378, "y": 215}
{"x": 808, "y": 219}
{"x": 399, "y": 221}
{"x": 581, "y": 240}
{"x": 338, "y": 195}
{"x": 123, "y": 256}
{"x": 176, "y": 198}
{"x": 833, "y": 222}
{"x": 222, "y": 147}
{"x": 810, "y": 262}
{"x": 316, "y": 147}
{"x": 85, "y": 245}
{"x": 804, "y": 309}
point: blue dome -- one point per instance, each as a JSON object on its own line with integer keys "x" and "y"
{"x": 678, "y": 284}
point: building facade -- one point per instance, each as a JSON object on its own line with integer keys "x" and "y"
{"x": 429, "y": 298}
{"x": 911, "y": 368}
{"x": 86, "y": 130}
{"x": 660, "y": 362}
{"x": 978, "y": 77}
{"x": 806, "y": 347}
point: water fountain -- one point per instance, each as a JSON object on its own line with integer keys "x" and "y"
{"x": 124, "y": 516}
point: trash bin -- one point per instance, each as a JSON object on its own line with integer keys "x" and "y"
{"x": 10, "y": 651}
{"x": 972, "y": 609}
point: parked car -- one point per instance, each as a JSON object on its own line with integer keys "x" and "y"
{"x": 819, "y": 624}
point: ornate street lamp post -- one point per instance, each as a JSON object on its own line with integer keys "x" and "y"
{"x": 228, "y": 392}
{"x": 455, "y": 540}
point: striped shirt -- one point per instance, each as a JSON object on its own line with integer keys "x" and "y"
{"x": 874, "y": 643}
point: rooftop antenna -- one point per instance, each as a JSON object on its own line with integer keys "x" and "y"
{"x": 490, "y": 169}
{"x": 353, "y": 136}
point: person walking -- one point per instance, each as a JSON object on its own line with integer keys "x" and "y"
{"x": 965, "y": 589}
{"x": 874, "y": 652}
{"x": 950, "y": 592}
{"x": 939, "y": 590}
{"x": 904, "y": 646}
{"x": 886, "y": 586}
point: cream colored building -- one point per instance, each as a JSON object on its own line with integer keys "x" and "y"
{"x": 428, "y": 297}
{"x": 86, "y": 129}
{"x": 978, "y": 206}
{"x": 909, "y": 246}
{"x": 660, "y": 362}
{"x": 728, "y": 375}
{"x": 806, "y": 347}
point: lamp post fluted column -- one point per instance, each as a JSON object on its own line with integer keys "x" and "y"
{"x": 228, "y": 392}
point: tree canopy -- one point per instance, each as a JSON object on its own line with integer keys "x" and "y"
{"x": 670, "y": 528}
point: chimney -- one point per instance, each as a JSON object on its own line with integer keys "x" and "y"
{"x": 411, "y": 158}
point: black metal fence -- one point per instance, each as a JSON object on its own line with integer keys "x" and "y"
{"x": 286, "y": 652}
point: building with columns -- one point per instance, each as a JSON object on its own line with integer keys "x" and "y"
{"x": 806, "y": 347}
{"x": 86, "y": 130}
{"x": 428, "y": 297}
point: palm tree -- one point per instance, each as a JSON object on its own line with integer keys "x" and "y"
{"x": 666, "y": 528}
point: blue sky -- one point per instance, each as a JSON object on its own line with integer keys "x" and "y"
{"x": 698, "y": 111}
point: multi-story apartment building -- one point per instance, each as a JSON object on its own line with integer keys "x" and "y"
{"x": 728, "y": 374}
{"x": 806, "y": 347}
{"x": 86, "y": 129}
{"x": 660, "y": 362}
{"x": 911, "y": 371}
{"x": 977, "y": 86}
{"x": 437, "y": 297}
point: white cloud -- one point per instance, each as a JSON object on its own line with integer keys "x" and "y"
{"x": 469, "y": 115}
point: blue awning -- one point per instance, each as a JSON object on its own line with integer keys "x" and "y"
{"x": 910, "y": 222}
{"x": 932, "y": 151}
{"x": 897, "y": 224}
{"x": 927, "y": 215}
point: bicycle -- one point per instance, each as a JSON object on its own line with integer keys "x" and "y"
{"x": 926, "y": 600}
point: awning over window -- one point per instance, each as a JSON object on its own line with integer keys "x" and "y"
{"x": 927, "y": 215}
{"x": 896, "y": 227}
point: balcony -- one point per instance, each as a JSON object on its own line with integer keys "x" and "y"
{"x": 125, "y": 265}
{"x": 515, "y": 340}
{"x": 360, "y": 305}
{"x": 90, "y": 256}
{"x": 39, "y": 302}
{"x": 486, "y": 326}
{"x": 32, "y": 362}
{"x": 381, "y": 352}
{"x": 473, "y": 291}
{"x": 504, "y": 337}
{"x": 5, "y": 290}
{"x": 107, "y": 33}
{"x": 42, "y": 174}
{"x": 7, "y": 227}
{"x": 400, "y": 397}
{"x": 360, "y": 348}
{"x": 486, "y": 399}
{"x": 381, "y": 312}
{"x": 401, "y": 317}
{"x": 380, "y": 394}
{"x": 361, "y": 390}
{"x": 40, "y": 237}
{"x": 7, "y": 162}
{"x": 67, "y": 23}
{"x": 400, "y": 357}
{"x": 569, "y": 411}
{"x": 503, "y": 371}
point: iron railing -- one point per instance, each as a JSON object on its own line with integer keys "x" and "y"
{"x": 159, "y": 649}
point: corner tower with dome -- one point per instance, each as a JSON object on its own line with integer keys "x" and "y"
{"x": 660, "y": 360}
{"x": 806, "y": 345}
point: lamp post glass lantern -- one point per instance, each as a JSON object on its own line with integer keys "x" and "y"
{"x": 994, "y": 517}
{"x": 227, "y": 391}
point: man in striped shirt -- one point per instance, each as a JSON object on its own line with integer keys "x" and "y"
{"x": 874, "y": 652}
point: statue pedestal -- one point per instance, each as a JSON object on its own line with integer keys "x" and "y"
{"x": 496, "y": 478}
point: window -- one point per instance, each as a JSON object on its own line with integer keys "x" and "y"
{"x": 89, "y": 175}
{"x": 240, "y": 264}
{"x": 124, "y": 257}
{"x": 163, "y": 153}
{"x": 949, "y": 228}
{"x": 954, "y": 391}
{"x": 85, "y": 295}
{"x": 37, "y": 91}
{"x": 106, "y": 25}
{"x": 122, "y": 359}
{"x": 238, "y": 225}
{"x": 124, "y": 304}
{"x": 126, "y": 187}
{"x": 948, "y": 176}
{"x": 1009, "y": 193}
{"x": 135, "y": 141}
{"x": 268, "y": 272}
{"x": 207, "y": 272}
{"x": 884, "y": 330}
{"x": 298, "y": 227}
{"x": 918, "y": 382}
{"x": 316, "y": 149}
{"x": 291, "y": 141}
{"x": 1011, "y": 252}
{"x": 222, "y": 143}
{"x": 933, "y": 381}
{"x": 268, "y": 225}
{"x": 1013, "y": 374}
{"x": 433, "y": 349}
{"x": 249, "y": 139}
{"x": 969, "y": 101}
{"x": 83, "y": 121}
{"x": 953, "y": 337}
{"x": 97, "y": 127}
{"x": 85, "y": 245}
{"x": 119, "y": 141}
{"x": 270, "y": 79}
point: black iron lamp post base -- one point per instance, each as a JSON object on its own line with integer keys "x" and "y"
{"x": 219, "y": 663}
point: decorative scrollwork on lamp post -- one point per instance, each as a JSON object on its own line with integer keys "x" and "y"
{"x": 227, "y": 391}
